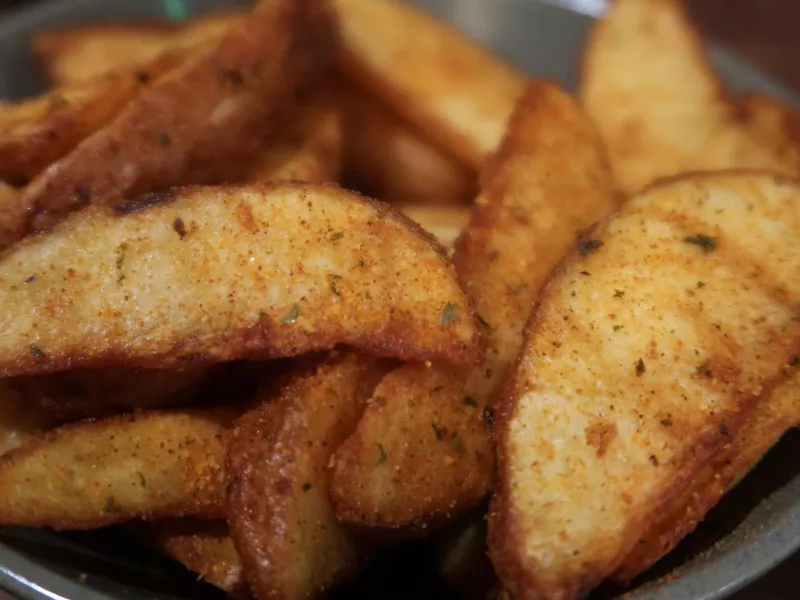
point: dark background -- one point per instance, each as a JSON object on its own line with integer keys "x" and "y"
{"x": 768, "y": 33}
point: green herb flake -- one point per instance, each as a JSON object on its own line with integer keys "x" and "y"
{"x": 111, "y": 506}
{"x": 438, "y": 431}
{"x": 703, "y": 370}
{"x": 306, "y": 486}
{"x": 36, "y": 352}
{"x": 470, "y": 402}
{"x": 618, "y": 327}
{"x": 121, "y": 251}
{"x": 380, "y": 400}
{"x": 290, "y": 318}
{"x": 335, "y": 279}
{"x": 706, "y": 242}
{"x": 457, "y": 444}
{"x": 701, "y": 284}
{"x": 723, "y": 428}
{"x": 619, "y": 293}
{"x": 448, "y": 312}
{"x": 142, "y": 480}
{"x": 483, "y": 322}
{"x": 335, "y": 237}
{"x": 382, "y": 456}
{"x": 666, "y": 422}
{"x": 588, "y": 247}
{"x": 640, "y": 368}
{"x": 488, "y": 417}
{"x": 31, "y": 279}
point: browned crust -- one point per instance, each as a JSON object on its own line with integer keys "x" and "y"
{"x": 504, "y": 536}
{"x": 172, "y": 134}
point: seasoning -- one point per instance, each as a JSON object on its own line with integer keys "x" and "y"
{"x": 335, "y": 237}
{"x": 618, "y": 293}
{"x": 448, "y": 313}
{"x": 470, "y": 402}
{"x": 439, "y": 431}
{"x": 706, "y": 242}
{"x": 179, "y": 227}
{"x": 380, "y": 400}
{"x": 640, "y": 368}
{"x": 488, "y": 417}
{"x": 36, "y": 352}
{"x": 335, "y": 279}
{"x": 381, "y": 454}
{"x": 589, "y": 247}
{"x": 306, "y": 486}
{"x": 618, "y": 327}
{"x": 703, "y": 370}
{"x": 290, "y": 318}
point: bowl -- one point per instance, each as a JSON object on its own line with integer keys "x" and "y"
{"x": 753, "y": 529}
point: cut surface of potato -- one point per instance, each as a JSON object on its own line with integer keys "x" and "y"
{"x": 147, "y": 465}
{"x": 279, "y": 512}
{"x": 648, "y": 85}
{"x": 548, "y": 181}
{"x": 444, "y": 83}
{"x": 650, "y": 350}
{"x": 195, "y": 276}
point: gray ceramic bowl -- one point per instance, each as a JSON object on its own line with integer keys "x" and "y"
{"x": 753, "y": 529}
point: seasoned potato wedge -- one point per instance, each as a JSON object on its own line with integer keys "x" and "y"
{"x": 280, "y": 516}
{"x": 773, "y": 123}
{"x": 171, "y": 134}
{"x": 390, "y": 159}
{"x": 230, "y": 272}
{"x": 310, "y": 149}
{"x": 445, "y": 222}
{"x": 148, "y": 465}
{"x": 436, "y": 78}
{"x": 648, "y": 85}
{"x": 39, "y": 131}
{"x": 650, "y": 351}
{"x": 548, "y": 181}
{"x": 204, "y": 547}
{"x": 83, "y": 52}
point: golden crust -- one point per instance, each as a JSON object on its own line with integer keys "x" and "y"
{"x": 437, "y": 78}
{"x": 280, "y": 516}
{"x": 236, "y": 272}
{"x": 94, "y": 473}
{"x": 667, "y": 325}
{"x": 548, "y": 181}
{"x": 171, "y": 134}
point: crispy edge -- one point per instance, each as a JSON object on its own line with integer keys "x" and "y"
{"x": 280, "y": 516}
{"x": 194, "y": 466}
{"x": 444, "y": 222}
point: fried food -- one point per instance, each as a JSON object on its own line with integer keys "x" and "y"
{"x": 548, "y": 181}
{"x": 388, "y": 158}
{"x": 310, "y": 149}
{"x": 39, "y": 131}
{"x": 687, "y": 303}
{"x": 445, "y": 223}
{"x": 147, "y": 465}
{"x": 204, "y": 547}
{"x": 280, "y": 516}
{"x": 173, "y": 134}
{"x": 648, "y": 85}
{"x": 436, "y": 78}
{"x": 196, "y": 276}
{"x": 773, "y": 123}
{"x": 80, "y": 53}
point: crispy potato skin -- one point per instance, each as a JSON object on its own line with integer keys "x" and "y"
{"x": 90, "y": 474}
{"x": 39, "y": 131}
{"x": 772, "y": 122}
{"x": 388, "y": 158}
{"x": 437, "y": 78}
{"x": 172, "y": 135}
{"x": 310, "y": 149}
{"x": 655, "y": 128}
{"x": 204, "y": 547}
{"x": 548, "y": 181}
{"x": 445, "y": 223}
{"x": 232, "y": 272}
{"x": 71, "y": 54}
{"x": 280, "y": 516}
{"x": 651, "y": 348}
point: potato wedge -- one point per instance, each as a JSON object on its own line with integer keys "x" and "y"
{"x": 445, "y": 223}
{"x": 148, "y": 465}
{"x": 39, "y": 131}
{"x": 649, "y": 352}
{"x": 310, "y": 149}
{"x": 80, "y": 53}
{"x": 389, "y": 159}
{"x": 774, "y": 415}
{"x": 242, "y": 272}
{"x": 773, "y": 123}
{"x": 198, "y": 123}
{"x": 548, "y": 181}
{"x": 280, "y": 516}
{"x": 654, "y": 126}
{"x": 438, "y": 79}
{"x": 204, "y": 547}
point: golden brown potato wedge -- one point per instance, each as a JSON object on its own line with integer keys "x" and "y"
{"x": 773, "y": 123}
{"x": 775, "y": 414}
{"x": 548, "y": 181}
{"x": 445, "y": 223}
{"x": 279, "y": 512}
{"x": 39, "y": 131}
{"x": 310, "y": 149}
{"x": 204, "y": 547}
{"x": 8, "y": 193}
{"x": 387, "y": 158}
{"x": 148, "y": 465}
{"x": 71, "y": 54}
{"x": 198, "y": 123}
{"x": 230, "y": 272}
{"x": 650, "y": 350}
{"x": 648, "y": 85}
{"x": 444, "y": 83}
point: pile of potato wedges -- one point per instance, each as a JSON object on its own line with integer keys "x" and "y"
{"x": 284, "y": 286}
